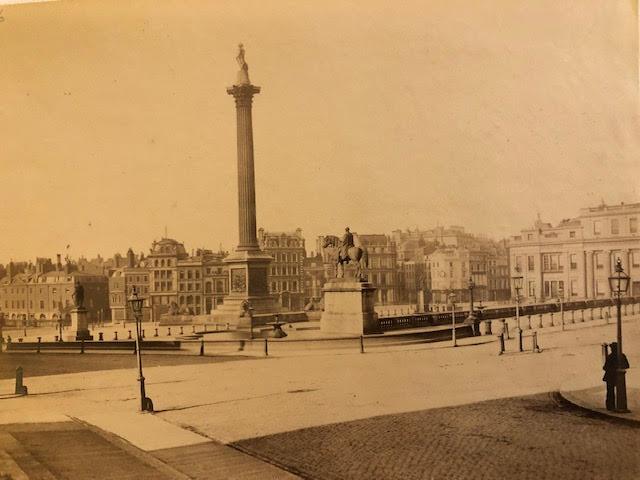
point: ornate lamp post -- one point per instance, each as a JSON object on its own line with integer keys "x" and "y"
{"x": 619, "y": 284}
{"x": 471, "y": 318}
{"x": 517, "y": 286}
{"x": 452, "y": 300}
{"x": 561, "y": 302}
{"x": 136, "y": 303}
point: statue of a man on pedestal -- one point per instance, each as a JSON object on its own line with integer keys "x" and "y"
{"x": 78, "y": 294}
{"x": 243, "y": 73}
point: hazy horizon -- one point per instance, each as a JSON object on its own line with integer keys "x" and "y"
{"x": 116, "y": 122}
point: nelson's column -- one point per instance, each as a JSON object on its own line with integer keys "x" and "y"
{"x": 248, "y": 265}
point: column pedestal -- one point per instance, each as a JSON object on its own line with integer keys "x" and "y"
{"x": 248, "y": 282}
{"x": 79, "y": 326}
{"x": 349, "y": 308}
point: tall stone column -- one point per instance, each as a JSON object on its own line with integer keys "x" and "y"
{"x": 248, "y": 265}
{"x": 243, "y": 95}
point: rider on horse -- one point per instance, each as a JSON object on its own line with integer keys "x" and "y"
{"x": 347, "y": 243}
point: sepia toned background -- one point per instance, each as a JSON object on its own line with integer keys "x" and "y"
{"x": 115, "y": 122}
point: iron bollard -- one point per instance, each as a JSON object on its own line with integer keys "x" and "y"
{"x": 21, "y": 388}
{"x": 506, "y": 330}
{"x": 552, "y": 320}
{"x": 529, "y": 321}
{"x": 143, "y": 335}
{"x": 582, "y": 315}
{"x": 100, "y": 337}
{"x": 501, "y": 338}
{"x": 156, "y": 333}
{"x": 181, "y": 331}
{"x": 606, "y": 317}
{"x": 624, "y": 313}
{"x": 38, "y": 347}
{"x": 540, "y": 321}
{"x": 573, "y": 316}
{"x": 115, "y": 335}
{"x": 592, "y": 314}
{"x": 55, "y": 338}
{"x": 361, "y": 343}
{"x": 241, "y": 347}
{"x": 81, "y": 346}
{"x": 202, "y": 347}
{"x": 168, "y": 331}
{"x": 520, "y": 339}
{"x": 266, "y": 347}
{"x": 534, "y": 343}
{"x": 193, "y": 329}
{"x": 25, "y": 332}
{"x": 129, "y": 337}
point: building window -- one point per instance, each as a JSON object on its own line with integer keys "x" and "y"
{"x": 597, "y": 227}
{"x": 572, "y": 234}
{"x": 197, "y": 274}
{"x": 633, "y": 225}
{"x": 294, "y": 286}
{"x": 615, "y": 226}
{"x": 635, "y": 258}
{"x": 599, "y": 257}
{"x": 181, "y": 275}
{"x": 574, "y": 288}
{"x": 551, "y": 262}
{"x": 532, "y": 289}
{"x": 530, "y": 263}
{"x": 529, "y": 236}
{"x": 189, "y": 274}
{"x": 573, "y": 259}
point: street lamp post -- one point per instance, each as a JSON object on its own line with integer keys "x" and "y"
{"x": 561, "y": 301}
{"x": 452, "y": 298}
{"x": 471, "y": 319}
{"x": 517, "y": 286}
{"x": 619, "y": 284}
{"x": 136, "y": 303}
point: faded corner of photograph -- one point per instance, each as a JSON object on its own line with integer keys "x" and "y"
{"x": 333, "y": 240}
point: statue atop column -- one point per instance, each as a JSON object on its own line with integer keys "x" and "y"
{"x": 243, "y": 73}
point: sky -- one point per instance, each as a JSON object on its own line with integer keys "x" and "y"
{"x": 115, "y": 122}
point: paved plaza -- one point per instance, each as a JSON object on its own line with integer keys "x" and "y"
{"x": 429, "y": 399}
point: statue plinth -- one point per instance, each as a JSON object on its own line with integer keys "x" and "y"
{"x": 349, "y": 307}
{"x": 248, "y": 282}
{"x": 79, "y": 329}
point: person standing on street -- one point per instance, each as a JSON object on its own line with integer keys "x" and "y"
{"x": 611, "y": 374}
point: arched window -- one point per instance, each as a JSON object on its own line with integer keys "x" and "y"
{"x": 207, "y": 287}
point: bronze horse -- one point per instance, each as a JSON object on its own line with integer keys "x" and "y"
{"x": 358, "y": 255}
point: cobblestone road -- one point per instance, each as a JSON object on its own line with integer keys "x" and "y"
{"x": 532, "y": 437}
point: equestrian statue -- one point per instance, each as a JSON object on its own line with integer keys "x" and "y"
{"x": 347, "y": 252}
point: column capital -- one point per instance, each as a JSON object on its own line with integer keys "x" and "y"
{"x": 243, "y": 93}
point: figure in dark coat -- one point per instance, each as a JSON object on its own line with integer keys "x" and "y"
{"x": 611, "y": 374}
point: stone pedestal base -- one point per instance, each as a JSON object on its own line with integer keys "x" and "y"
{"x": 247, "y": 283}
{"x": 348, "y": 308}
{"x": 79, "y": 329}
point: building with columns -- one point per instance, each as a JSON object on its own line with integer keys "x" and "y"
{"x": 576, "y": 257}
{"x": 286, "y": 273}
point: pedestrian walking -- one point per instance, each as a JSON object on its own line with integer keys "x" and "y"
{"x": 611, "y": 374}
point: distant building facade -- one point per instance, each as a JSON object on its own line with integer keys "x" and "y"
{"x": 382, "y": 272}
{"x": 286, "y": 275}
{"x": 43, "y": 296}
{"x": 576, "y": 257}
{"x": 451, "y": 268}
{"x": 121, "y": 285}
